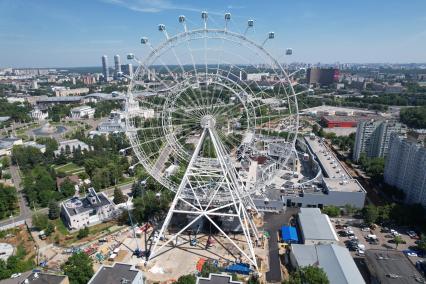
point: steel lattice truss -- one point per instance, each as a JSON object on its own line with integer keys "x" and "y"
{"x": 206, "y": 103}
{"x": 200, "y": 191}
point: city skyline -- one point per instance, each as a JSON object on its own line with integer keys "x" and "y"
{"x": 78, "y": 33}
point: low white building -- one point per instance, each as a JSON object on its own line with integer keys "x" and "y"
{"x": 93, "y": 209}
{"x": 335, "y": 260}
{"x": 115, "y": 123}
{"x": 38, "y": 114}
{"x": 34, "y": 144}
{"x": 82, "y": 112}
{"x": 6, "y": 145}
{"x": 71, "y": 145}
{"x": 315, "y": 227}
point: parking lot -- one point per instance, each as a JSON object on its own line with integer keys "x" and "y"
{"x": 357, "y": 237}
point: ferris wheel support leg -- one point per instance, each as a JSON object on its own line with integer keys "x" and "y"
{"x": 237, "y": 199}
{"x": 176, "y": 199}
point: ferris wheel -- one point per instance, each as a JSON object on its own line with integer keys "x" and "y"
{"x": 199, "y": 103}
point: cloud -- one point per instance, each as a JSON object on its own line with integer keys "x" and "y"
{"x": 236, "y": 7}
{"x": 151, "y": 6}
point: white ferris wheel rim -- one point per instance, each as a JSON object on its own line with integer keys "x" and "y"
{"x": 185, "y": 37}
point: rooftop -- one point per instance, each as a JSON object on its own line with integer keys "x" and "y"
{"x": 336, "y": 178}
{"x": 334, "y": 259}
{"x": 334, "y": 109}
{"x": 315, "y": 225}
{"x": 390, "y": 266}
{"x": 37, "y": 278}
{"x": 77, "y": 205}
{"x": 80, "y": 108}
{"x": 354, "y": 118}
{"x": 331, "y": 166}
{"x": 348, "y": 185}
{"x": 4, "y": 118}
{"x": 115, "y": 274}
{"x": 217, "y": 279}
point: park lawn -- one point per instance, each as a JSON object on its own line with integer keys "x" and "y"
{"x": 60, "y": 226}
{"x": 69, "y": 168}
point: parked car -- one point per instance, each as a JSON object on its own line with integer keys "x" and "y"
{"x": 385, "y": 230}
{"x": 410, "y": 253}
{"x": 360, "y": 252}
{"x": 371, "y": 237}
{"x": 361, "y": 246}
{"x": 15, "y": 275}
{"x": 412, "y": 234}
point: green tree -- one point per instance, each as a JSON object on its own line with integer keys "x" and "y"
{"x": 252, "y": 280}
{"x": 208, "y": 267}
{"x": 398, "y": 240}
{"x": 54, "y": 210}
{"x": 308, "y": 275}
{"x": 414, "y": 117}
{"x": 150, "y": 205}
{"x": 40, "y": 221}
{"x": 4, "y": 271}
{"x": 186, "y": 279}
{"x": 137, "y": 189}
{"x": 331, "y": 210}
{"x": 422, "y": 243}
{"x": 370, "y": 214}
{"x": 82, "y": 233}
{"x": 79, "y": 268}
{"x": 8, "y": 201}
{"x": 67, "y": 188}
{"x": 119, "y": 197}
{"x": 5, "y": 162}
{"x": 49, "y": 229}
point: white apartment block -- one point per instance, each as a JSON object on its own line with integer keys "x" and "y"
{"x": 373, "y": 136}
{"x": 405, "y": 168}
{"x": 83, "y": 212}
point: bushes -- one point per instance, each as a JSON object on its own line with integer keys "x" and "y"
{"x": 8, "y": 201}
{"x": 79, "y": 268}
{"x": 331, "y": 210}
{"x": 82, "y": 233}
{"x": 414, "y": 117}
{"x": 16, "y": 263}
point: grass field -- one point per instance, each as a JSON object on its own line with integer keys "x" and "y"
{"x": 69, "y": 168}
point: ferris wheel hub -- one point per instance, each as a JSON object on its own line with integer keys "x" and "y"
{"x": 208, "y": 121}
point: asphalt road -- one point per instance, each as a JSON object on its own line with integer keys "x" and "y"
{"x": 24, "y": 210}
{"x": 273, "y": 223}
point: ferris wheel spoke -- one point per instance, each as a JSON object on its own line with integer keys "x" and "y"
{"x": 183, "y": 72}
{"x": 194, "y": 108}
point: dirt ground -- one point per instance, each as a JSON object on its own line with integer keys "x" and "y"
{"x": 181, "y": 259}
{"x": 20, "y": 236}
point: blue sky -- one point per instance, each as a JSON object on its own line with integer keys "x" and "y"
{"x": 66, "y": 33}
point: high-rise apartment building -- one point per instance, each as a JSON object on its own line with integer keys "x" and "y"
{"x": 322, "y": 76}
{"x": 117, "y": 65}
{"x": 405, "y": 168}
{"x": 127, "y": 69}
{"x": 373, "y": 136}
{"x": 105, "y": 69}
